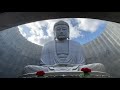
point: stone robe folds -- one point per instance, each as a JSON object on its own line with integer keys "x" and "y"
{"x": 75, "y": 57}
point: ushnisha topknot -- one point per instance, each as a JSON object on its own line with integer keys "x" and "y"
{"x": 61, "y": 22}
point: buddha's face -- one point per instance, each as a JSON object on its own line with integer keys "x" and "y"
{"x": 61, "y": 32}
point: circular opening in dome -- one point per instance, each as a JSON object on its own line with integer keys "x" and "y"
{"x": 82, "y": 30}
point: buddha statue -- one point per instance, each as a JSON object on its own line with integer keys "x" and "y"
{"x": 62, "y": 52}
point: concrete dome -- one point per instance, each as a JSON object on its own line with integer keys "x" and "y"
{"x": 16, "y": 52}
{"x": 106, "y": 49}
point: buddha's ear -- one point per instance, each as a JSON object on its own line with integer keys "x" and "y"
{"x": 54, "y": 35}
{"x": 68, "y": 35}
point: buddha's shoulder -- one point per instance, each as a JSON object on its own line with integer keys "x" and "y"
{"x": 74, "y": 43}
{"x": 49, "y": 43}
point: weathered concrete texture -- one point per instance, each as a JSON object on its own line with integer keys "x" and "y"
{"x": 11, "y": 19}
{"x": 106, "y": 49}
{"x": 16, "y": 52}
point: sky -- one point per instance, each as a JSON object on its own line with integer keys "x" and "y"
{"x": 82, "y": 30}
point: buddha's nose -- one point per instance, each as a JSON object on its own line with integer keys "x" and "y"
{"x": 61, "y": 31}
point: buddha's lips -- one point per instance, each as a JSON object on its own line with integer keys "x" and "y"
{"x": 61, "y": 35}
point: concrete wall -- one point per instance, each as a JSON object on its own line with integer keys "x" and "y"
{"x": 16, "y": 52}
{"x": 106, "y": 49}
{"x": 11, "y": 19}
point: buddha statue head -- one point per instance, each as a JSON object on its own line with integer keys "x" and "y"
{"x": 61, "y": 30}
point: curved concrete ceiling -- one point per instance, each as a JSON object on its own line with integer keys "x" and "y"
{"x": 16, "y": 52}
{"x": 11, "y": 19}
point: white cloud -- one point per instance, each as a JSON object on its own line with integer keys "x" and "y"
{"x": 33, "y": 39}
{"x": 39, "y": 36}
{"x": 21, "y": 29}
{"x": 90, "y": 25}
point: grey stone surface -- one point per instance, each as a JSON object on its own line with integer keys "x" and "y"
{"x": 106, "y": 49}
{"x": 11, "y": 19}
{"x": 62, "y": 51}
{"x": 16, "y": 52}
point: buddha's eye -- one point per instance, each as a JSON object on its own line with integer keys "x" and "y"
{"x": 58, "y": 29}
{"x": 64, "y": 29}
